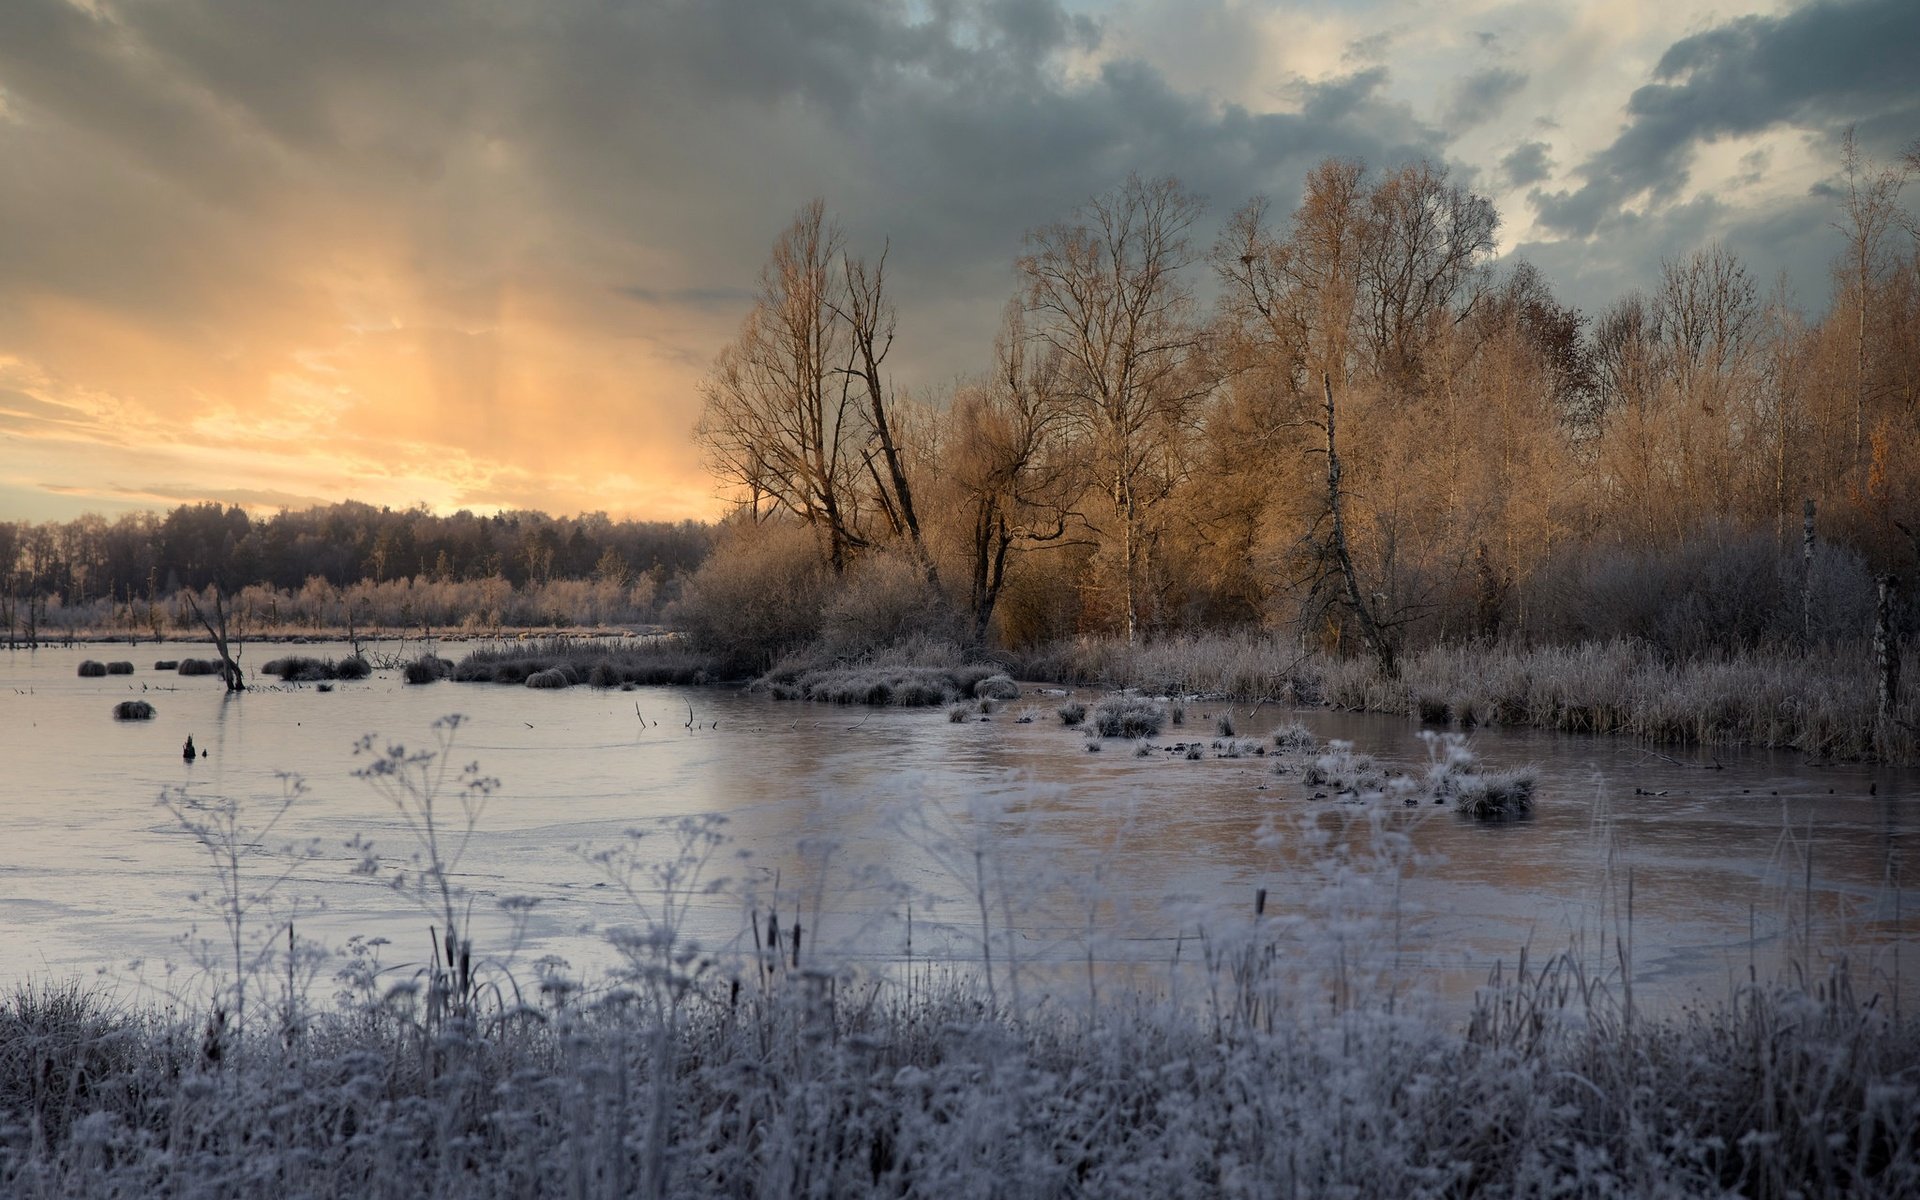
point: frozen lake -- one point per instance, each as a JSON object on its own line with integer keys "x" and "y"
{"x": 856, "y": 816}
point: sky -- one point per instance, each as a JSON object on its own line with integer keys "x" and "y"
{"x": 480, "y": 253}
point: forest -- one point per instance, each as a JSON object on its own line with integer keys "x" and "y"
{"x": 1346, "y": 425}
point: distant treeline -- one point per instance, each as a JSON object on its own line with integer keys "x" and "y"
{"x": 323, "y": 566}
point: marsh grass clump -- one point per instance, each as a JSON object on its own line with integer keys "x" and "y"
{"x": 167, "y": 664}
{"x": 884, "y": 684}
{"x": 199, "y": 666}
{"x": 133, "y": 710}
{"x": 1293, "y": 736}
{"x": 90, "y": 669}
{"x": 647, "y": 662}
{"x": 1345, "y": 772}
{"x": 1455, "y": 775}
{"x": 997, "y": 687}
{"x": 1223, "y": 725}
{"x": 119, "y": 668}
{"x": 1177, "y": 712}
{"x": 301, "y": 668}
{"x": 428, "y": 668}
{"x": 959, "y": 714}
{"x": 1195, "y": 751}
{"x": 1071, "y": 713}
{"x": 1128, "y": 717}
{"x": 553, "y": 677}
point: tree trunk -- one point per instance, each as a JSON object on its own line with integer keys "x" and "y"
{"x": 1356, "y": 599}
{"x": 217, "y": 629}
{"x": 1886, "y": 656}
{"x": 1806, "y": 570}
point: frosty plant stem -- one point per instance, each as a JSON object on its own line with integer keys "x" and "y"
{"x": 233, "y": 837}
{"x": 422, "y": 785}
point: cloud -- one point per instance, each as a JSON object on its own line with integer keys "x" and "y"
{"x": 1482, "y": 95}
{"x": 447, "y": 251}
{"x": 1527, "y": 163}
{"x": 1817, "y": 67}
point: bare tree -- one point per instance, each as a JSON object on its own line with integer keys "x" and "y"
{"x": 1007, "y": 453}
{"x": 1106, "y": 293}
{"x": 779, "y": 418}
{"x": 1870, "y": 212}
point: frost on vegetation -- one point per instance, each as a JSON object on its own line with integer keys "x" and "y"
{"x": 1345, "y": 772}
{"x": 1128, "y": 717}
{"x": 1454, "y": 775}
{"x": 900, "y": 686}
{"x": 997, "y": 687}
{"x": 1295, "y": 1063}
{"x": 1072, "y": 713}
{"x": 1294, "y": 736}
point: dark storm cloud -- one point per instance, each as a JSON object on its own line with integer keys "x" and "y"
{"x": 1822, "y": 66}
{"x": 1526, "y": 163}
{"x": 1481, "y": 96}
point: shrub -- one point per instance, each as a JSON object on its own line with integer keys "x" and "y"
{"x": 1072, "y": 713}
{"x": 760, "y": 594}
{"x": 882, "y": 600}
{"x": 997, "y": 687}
{"x": 1128, "y": 717}
{"x": 552, "y": 677}
{"x": 92, "y": 670}
{"x": 133, "y": 710}
{"x": 119, "y": 668}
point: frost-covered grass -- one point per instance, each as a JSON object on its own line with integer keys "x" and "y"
{"x": 301, "y": 668}
{"x": 601, "y": 661}
{"x": 1128, "y": 717}
{"x": 1277, "y": 1053}
{"x": 889, "y": 684}
{"x": 1819, "y": 699}
{"x": 785, "y": 1081}
{"x": 1071, "y": 713}
{"x": 1455, "y": 775}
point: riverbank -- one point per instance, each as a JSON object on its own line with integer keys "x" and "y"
{"x": 1819, "y": 700}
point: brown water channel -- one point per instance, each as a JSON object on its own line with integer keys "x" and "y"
{"x": 850, "y": 819}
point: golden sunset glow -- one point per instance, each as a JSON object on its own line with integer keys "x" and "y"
{"x": 471, "y": 257}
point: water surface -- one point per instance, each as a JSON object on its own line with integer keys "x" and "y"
{"x": 1732, "y": 862}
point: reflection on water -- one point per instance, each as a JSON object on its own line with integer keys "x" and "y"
{"x": 853, "y": 821}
